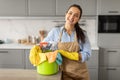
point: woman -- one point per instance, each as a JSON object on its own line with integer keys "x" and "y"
{"x": 72, "y": 38}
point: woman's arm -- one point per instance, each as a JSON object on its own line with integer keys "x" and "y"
{"x": 52, "y": 38}
{"x": 52, "y": 35}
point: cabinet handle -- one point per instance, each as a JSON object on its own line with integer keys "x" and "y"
{"x": 84, "y": 21}
{"x": 3, "y": 51}
{"x": 111, "y": 51}
{"x": 113, "y": 11}
{"x": 111, "y": 69}
{"x": 82, "y": 24}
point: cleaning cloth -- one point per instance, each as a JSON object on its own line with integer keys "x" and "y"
{"x": 51, "y": 56}
{"x": 42, "y": 57}
{"x": 34, "y": 55}
{"x": 59, "y": 59}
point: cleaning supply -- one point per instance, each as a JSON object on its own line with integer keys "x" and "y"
{"x": 59, "y": 59}
{"x": 43, "y": 57}
{"x": 47, "y": 68}
{"x": 34, "y": 55}
{"x": 69, "y": 55}
{"x": 51, "y": 56}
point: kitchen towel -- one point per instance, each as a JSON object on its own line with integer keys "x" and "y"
{"x": 59, "y": 59}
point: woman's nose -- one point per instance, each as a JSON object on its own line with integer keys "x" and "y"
{"x": 72, "y": 17}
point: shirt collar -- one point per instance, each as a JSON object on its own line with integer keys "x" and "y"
{"x": 63, "y": 28}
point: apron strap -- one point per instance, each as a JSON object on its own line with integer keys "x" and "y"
{"x": 60, "y": 35}
{"x": 75, "y": 37}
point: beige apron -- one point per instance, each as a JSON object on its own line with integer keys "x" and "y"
{"x": 72, "y": 70}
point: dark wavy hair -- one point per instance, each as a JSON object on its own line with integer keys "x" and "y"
{"x": 79, "y": 31}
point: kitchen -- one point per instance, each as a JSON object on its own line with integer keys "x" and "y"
{"x": 21, "y": 18}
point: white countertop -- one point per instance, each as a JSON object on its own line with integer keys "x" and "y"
{"x": 15, "y": 46}
{"x": 23, "y": 74}
{"x": 94, "y": 47}
{"x": 24, "y": 46}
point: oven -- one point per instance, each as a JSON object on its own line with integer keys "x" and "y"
{"x": 109, "y": 24}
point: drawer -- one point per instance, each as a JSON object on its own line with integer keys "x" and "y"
{"x": 109, "y": 73}
{"x": 12, "y": 58}
{"x": 109, "y": 57}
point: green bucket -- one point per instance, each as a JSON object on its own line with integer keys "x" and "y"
{"x": 46, "y": 68}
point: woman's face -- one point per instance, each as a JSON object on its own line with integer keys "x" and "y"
{"x": 72, "y": 16}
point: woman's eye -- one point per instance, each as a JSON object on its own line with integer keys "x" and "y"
{"x": 76, "y": 15}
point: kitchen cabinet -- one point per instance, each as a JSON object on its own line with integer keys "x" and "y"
{"x": 108, "y": 7}
{"x": 109, "y": 73}
{"x": 15, "y": 58}
{"x": 93, "y": 61}
{"x": 109, "y": 66}
{"x": 93, "y": 72}
{"x": 93, "y": 65}
{"x": 88, "y": 6}
{"x": 13, "y": 7}
{"x": 28, "y": 65}
{"x": 41, "y": 7}
{"x": 11, "y": 58}
{"x": 110, "y": 57}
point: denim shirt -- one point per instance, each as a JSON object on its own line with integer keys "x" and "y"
{"x": 54, "y": 35}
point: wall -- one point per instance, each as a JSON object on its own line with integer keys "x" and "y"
{"x": 15, "y": 29}
{"x": 91, "y": 28}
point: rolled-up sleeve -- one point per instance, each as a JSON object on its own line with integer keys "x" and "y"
{"x": 85, "y": 49}
{"x": 53, "y": 38}
{"x": 50, "y": 36}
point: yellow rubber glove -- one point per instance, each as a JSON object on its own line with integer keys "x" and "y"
{"x": 69, "y": 55}
{"x": 34, "y": 55}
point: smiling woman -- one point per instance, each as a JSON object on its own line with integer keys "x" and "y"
{"x": 71, "y": 38}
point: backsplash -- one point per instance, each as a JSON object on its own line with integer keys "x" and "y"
{"x": 15, "y": 29}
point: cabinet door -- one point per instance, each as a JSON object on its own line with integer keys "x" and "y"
{"x": 88, "y": 6}
{"x": 109, "y": 73}
{"x": 13, "y": 7}
{"x": 93, "y": 61}
{"x": 93, "y": 72}
{"x": 41, "y": 7}
{"x": 28, "y": 65}
{"x": 12, "y": 58}
{"x": 109, "y": 57}
{"x": 109, "y": 7}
